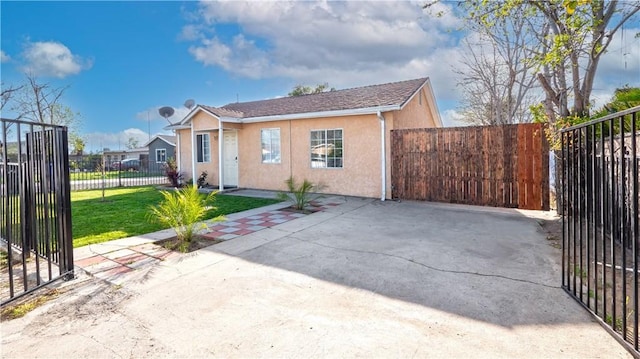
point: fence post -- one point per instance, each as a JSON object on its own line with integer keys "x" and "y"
{"x": 66, "y": 228}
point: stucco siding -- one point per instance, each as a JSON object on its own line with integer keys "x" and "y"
{"x": 361, "y": 173}
{"x": 359, "y": 176}
{"x": 252, "y": 173}
{"x": 210, "y": 167}
{"x": 184, "y": 152}
{"x": 415, "y": 114}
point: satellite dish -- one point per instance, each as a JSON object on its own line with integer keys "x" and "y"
{"x": 166, "y": 112}
{"x": 189, "y": 104}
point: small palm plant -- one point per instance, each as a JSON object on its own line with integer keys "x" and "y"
{"x": 182, "y": 210}
{"x": 301, "y": 194}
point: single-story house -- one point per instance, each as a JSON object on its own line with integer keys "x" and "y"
{"x": 112, "y": 156}
{"x": 340, "y": 139}
{"x": 161, "y": 148}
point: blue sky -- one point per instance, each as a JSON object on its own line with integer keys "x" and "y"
{"x": 124, "y": 60}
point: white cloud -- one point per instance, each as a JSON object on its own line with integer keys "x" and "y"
{"x": 52, "y": 59}
{"x": 152, "y": 114}
{"x": 190, "y": 32}
{"x": 358, "y": 43}
{"x": 343, "y": 43}
{"x": 96, "y": 141}
{"x": 4, "y": 57}
{"x": 451, "y": 118}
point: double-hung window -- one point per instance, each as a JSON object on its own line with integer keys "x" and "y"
{"x": 203, "y": 148}
{"x": 326, "y": 148}
{"x": 270, "y": 145}
{"x": 161, "y": 155}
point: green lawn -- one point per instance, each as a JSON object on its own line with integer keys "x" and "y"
{"x": 124, "y": 211}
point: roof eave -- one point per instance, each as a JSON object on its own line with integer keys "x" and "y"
{"x": 436, "y": 112}
{"x": 417, "y": 91}
{"x": 176, "y": 126}
{"x": 334, "y": 113}
{"x": 157, "y": 137}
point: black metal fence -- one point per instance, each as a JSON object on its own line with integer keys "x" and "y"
{"x": 35, "y": 209}
{"x": 95, "y": 172}
{"x": 600, "y": 195}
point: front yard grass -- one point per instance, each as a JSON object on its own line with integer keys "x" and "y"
{"x": 124, "y": 212}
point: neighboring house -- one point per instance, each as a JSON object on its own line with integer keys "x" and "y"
{"x": 340, "y": 139}
{"x": 140, "y": 153}
{"x": 161, "y": 148}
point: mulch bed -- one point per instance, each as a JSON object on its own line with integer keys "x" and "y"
{"x": 196, "y": 243}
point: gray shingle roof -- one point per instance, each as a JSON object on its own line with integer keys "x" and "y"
{"x": 396, "y": 93}
{"x": 168, "y": 138}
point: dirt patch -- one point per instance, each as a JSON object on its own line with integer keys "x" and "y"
{"x": 553, "y": 230}
{"x": 196, "y": 243}
{"x": 307, "y": 210}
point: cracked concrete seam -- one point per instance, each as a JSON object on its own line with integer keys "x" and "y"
{"x": 426, "y": 265}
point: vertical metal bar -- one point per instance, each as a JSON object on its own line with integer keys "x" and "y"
{"x": 593, "y": 190}
{"x": 575, "y": 206}
{"x": 33, "y": 182}
{"x": 612, "y": 227}
{"x": 46, "y": 168}
{"x": 563, "y": 202}
{"x": 580, "y": 202}
{"x": 623, "y": 232}
{"x": 590, "y": 198}
{"x": 66, "y": 236}
{"x": 634, "y": 226}
{"x": 24, "y": 207}
{"x": 569, "y": 212}
{"x": 598, "y": 208}
{"x": 10, "y": 217}
{"x": 58, "y": 167}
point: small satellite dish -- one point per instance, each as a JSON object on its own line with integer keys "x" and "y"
{"x": 189, "y": 104}
{"x": 166, "y": 112}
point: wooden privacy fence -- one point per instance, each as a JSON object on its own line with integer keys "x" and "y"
{"x": 500, "y": 166}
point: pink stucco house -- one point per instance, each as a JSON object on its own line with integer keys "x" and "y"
{"x": 338, "y": 138}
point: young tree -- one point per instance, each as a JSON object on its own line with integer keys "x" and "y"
{"x": 7, "y": 93}
{"x": 572, "y": 37}
{"x": 495, "y": 74}
{"x": 623, "y": 98}
{"x": 300, "y": 90}
{"x": 77, "y": 144}
{"x": 132, "y": 143}
{"x": 40, "y": 102}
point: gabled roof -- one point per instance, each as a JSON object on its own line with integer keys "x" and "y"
{"x": 170, "y": 140}
{"x": 390, "y": 94}
{"x": 359, "y": 100}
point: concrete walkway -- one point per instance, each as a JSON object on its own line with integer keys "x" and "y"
{"x": 361, "y": 279}
{"x": 127, "y": 259}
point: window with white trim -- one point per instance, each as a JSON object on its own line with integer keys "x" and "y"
{"x": 326, "y": 148}
{"x": 270, "y": 145}
{"x": 203, "y": 148}
{"x": 161, "y": 155}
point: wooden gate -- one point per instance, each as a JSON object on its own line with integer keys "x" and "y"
{"x": 500, "y": 166}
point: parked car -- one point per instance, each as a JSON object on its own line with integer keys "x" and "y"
{"x": 130, "y": 164}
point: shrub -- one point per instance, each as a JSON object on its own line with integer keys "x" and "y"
{"x": 171, "y": 172}
{"x": 182, "y": 210}
{"x": 300, "y": 194}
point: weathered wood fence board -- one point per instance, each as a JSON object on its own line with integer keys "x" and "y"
{"x": 500, "y": 166}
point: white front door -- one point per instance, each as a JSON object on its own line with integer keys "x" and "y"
{"x": 230, "y": 151}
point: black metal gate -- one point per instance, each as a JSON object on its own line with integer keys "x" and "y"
{"x": 35, "y": 208}
{"x": 600, "y": 195}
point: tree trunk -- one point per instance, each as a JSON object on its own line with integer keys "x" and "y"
{"x": 558, "y": 185}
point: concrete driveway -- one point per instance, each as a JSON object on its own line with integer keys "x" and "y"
{"x": 364, "y": 279}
